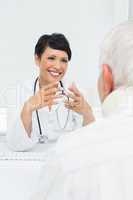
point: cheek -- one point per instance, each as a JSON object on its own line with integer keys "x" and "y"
{"x": 45, "y": 64}
{"x": 65, "y": 67}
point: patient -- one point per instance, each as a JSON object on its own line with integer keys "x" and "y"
{"x": 95, "y": 162}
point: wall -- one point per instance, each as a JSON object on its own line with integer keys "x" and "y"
{"x": 84, "y": 22}
{"x": 130, "y": 9}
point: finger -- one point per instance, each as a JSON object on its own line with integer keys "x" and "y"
{"x": 73, "y": 96}
{"x": 50, "y": 107}
{"x": 45, "y": 97}
{"x": 76, "y": 100}
{"x": 51, "y": 98}
{"x": 49, "y": 91}
{"x": 47, "y": 103}
{"x": 73, "y": 108}
{"x": 54, "y": 100}
{"x": 74, "y": 89}
{"x": 57, "y": 96}
{"x": 50, "y": 85}
{"x": 71, "y": 104}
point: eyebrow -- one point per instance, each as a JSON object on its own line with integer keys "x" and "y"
{"x": 56, "y": 56}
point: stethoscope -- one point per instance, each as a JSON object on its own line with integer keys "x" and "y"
{"x": 43, "y": 138}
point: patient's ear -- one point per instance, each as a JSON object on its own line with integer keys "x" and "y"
{"x": 107, "y": 79}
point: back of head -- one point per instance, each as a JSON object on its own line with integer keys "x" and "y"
{"x": 117, "y": 52}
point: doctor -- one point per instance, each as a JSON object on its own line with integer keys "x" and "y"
{"x": 41, "y": 118}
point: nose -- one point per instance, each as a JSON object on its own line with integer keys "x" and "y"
{"x": 57, "y": 64}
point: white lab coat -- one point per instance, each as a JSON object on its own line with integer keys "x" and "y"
{"x": 95, "y": 162}
{"x": 17, "y": 137}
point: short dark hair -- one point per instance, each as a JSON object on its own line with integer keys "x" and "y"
{"x": 55, "y": 41}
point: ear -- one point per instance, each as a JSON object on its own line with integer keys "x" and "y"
{"x": 37, "y": 60}
{"x": 107, "y": 79}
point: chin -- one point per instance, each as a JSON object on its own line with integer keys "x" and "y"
{"x": 53, "y": 79}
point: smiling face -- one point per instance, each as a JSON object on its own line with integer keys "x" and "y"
{"x": 53, "y": 65}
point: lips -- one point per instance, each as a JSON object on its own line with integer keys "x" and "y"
{"x": 54, "y": 73}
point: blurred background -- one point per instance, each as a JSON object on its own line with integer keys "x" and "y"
{"x": 84, "y": 22}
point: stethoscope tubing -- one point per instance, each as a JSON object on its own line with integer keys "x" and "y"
{"x": 37, "y": 114}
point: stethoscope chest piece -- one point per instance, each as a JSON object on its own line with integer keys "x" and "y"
{"x": 43, "y": 139}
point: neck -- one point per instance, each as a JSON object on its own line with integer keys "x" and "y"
{"x": 42, "y": 82}
{"x": 120, "y": 101}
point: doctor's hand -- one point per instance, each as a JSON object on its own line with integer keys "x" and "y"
{"x": 78, "y": 104}
{"x": 46, "y": 96}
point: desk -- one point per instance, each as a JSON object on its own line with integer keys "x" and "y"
{"x": 37, "y": 148}
{"x": 18, "y": 178}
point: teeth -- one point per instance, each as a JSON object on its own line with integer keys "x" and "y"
{"x": 54, "y": 73}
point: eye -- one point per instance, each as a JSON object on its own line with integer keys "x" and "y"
{"x": 64, "y": 60}
{"x": 51, "y": 58}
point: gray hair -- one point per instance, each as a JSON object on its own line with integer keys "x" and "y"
{"x": 117, "y": 52}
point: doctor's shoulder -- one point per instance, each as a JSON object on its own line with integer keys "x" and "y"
{"x": 25, "y": 89}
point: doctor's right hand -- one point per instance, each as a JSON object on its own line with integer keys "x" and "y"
{"x": 46, "y": 96}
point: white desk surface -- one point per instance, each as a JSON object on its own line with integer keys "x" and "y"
{"x": 37, "y": 148}
{"x": 18, "y": 178}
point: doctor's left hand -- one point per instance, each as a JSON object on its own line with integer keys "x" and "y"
{"x": 78, "y": 104}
